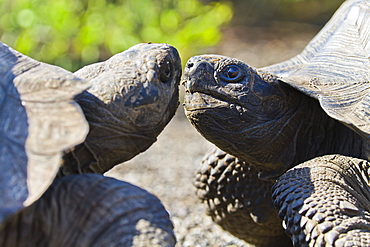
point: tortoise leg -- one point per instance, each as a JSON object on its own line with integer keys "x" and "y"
{"x": 238, "y": 201}
{"x": 90, "y": 210}
{"x": 325, "y": 202}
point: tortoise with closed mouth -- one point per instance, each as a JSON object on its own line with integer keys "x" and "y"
{"x": 54, "y": 121}
{"x": 306, "y": 118}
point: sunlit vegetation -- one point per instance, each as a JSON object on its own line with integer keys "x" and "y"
{"x": 73, "y": 33}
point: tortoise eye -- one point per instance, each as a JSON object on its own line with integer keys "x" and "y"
{"x": 232, "y": 73}
{"x": 165, "y": 70}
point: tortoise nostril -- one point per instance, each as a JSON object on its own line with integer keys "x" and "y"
{"x": 189, "y": 65}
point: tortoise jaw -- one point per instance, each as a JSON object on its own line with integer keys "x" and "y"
{"x": 198, "y": 101}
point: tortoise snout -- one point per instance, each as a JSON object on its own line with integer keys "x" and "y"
{"x": 191, "y": 65}
{"x": 199, "y": 74}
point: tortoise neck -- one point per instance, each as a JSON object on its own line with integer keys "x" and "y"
{"x": 321, "y": 135}
{"x": 307, "y": 132}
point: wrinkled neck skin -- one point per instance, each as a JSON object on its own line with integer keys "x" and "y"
{"x": 117, "y": 138}
{"x": 132, "y": 97}
{"x": 271, "y": 126}
{"x": 303, "y": 132}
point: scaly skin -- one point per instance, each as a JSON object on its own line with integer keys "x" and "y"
{"x": 90, "y": 210}
{"x": 238, "y": 201}
{"x": 326, "y": 202}
{"x": 133, "y": 95}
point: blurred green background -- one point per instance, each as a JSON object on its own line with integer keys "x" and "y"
{"x": 73, "y": 33}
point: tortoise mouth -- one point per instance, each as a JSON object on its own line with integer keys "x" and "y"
{"x": 199, "y": 101}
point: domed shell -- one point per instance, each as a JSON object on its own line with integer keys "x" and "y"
{"x": 335, "y": 68}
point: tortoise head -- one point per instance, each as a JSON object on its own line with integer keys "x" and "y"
{"x": 133, "y": 95}
{"x": 150, "y": 97}
{"x": 241, "y": 111}
{"x": 138, "y": 86}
